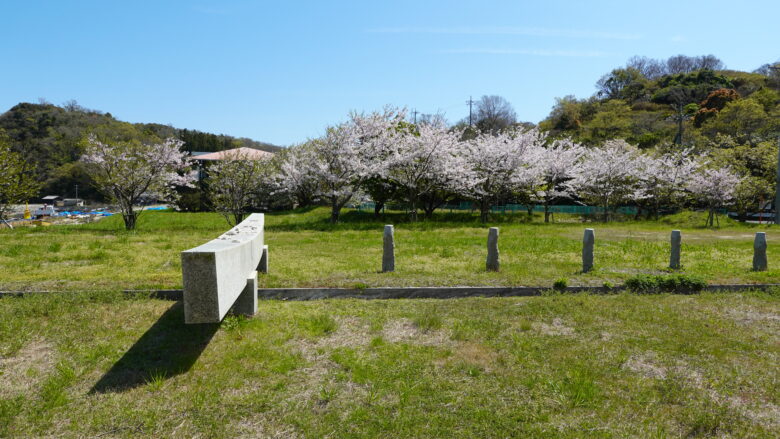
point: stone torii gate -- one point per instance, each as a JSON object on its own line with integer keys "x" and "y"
{"x": 222, "y": 274}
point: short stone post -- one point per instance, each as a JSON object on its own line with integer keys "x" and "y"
{"x": 246, "y": 303}
{"x": 587, "y": 250}
{"x": 262, "y": 267}
{"x": 759, "y": 252}
{"x": 674, "y": 259}
{"x": 492, "y": 263}
{"x": 388, "y": 250}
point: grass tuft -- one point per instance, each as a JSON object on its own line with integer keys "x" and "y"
{"x": 320, "y": 324}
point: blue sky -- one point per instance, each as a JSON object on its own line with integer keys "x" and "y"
{"x": 280, "y": 71}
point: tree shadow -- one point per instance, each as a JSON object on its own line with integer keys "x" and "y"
{"x": 166, "y": 349}
{"x": 354, "y": 220}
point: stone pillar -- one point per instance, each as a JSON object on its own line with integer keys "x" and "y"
{"x": 587, "y": 250}
{"x": 246, "y": 304}
{"x": 759, "y": 252}
{"x": 674, "y": 259}
{"x": 262, "y": 267}
{"x": 492, "y": 263}
{"x": 388, "y": 249}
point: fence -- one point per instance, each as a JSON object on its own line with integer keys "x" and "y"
{"x": 510, "y": 208}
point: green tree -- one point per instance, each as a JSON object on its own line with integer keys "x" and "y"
{"x": 566, "y": 116}
{"x": 749, "y": 194}
{"x": 234, "y": 185}
{"x": 745, "y": 120}
{"x": 627, "y": 84}
{"x": 611, "y": 121}
{"x": 16, "y": 184}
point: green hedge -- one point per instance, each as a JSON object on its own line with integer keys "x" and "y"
{"x": 647, "y": 283}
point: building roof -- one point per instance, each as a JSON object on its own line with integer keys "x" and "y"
{"x": 243, "y": 152}
{"x": 51, "y": 197}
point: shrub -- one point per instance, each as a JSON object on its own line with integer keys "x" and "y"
{"x": 561, "y": 284}
{"x": 677, "y": 283}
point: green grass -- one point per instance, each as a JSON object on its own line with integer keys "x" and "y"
{"x": 306, "y": 251}
{"x": 559, "y": 366}
{"x": 98, "y": 364}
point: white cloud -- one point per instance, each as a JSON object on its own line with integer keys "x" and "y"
{"x": 534, "y": 52}
{"x": 527, "y": 31}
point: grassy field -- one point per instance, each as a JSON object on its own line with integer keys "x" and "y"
{"x": 559, "y": 366}
{"x": 306, "y": 251}
{"x": 94, "y": 363}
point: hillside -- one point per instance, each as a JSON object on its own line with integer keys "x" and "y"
{"x": 51, "y": 139}
{"x": 691, "y": 101}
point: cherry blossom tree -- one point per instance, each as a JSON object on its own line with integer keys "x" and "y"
{"x": 129, "y": 171}
{"x": 662, "y": 180}
{"x": 380, "y": 135}
{"x": 496, "y": 166}
{"x": 294, "y": 176}
{"x": 427, "y": 165}
{"x": 606, "y": 176}
{"x": 337, "y": 167}
{"x": 234, "y": 184}
{"x": 715, "y": 189}
{"x": 556, "y": 165}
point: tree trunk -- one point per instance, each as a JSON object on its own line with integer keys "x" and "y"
{"x": 638, "y": 215}
{"x": 238, "y": 217}
{"x": 430, "y": 205}
{"x": 130, "y": 218}
{"x": 530, "y": 209}
{"x": 546, "y": 212}
{"x": 378, "y": 208}
{"x": 335, "y": 211}
{"x": 484, "y": 211}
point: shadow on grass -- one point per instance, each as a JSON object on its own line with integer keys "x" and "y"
{"x": 364, "y": 220}
{"x": 166, "y": 349}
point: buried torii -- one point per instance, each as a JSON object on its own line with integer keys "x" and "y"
{"x": 222, "y": 274}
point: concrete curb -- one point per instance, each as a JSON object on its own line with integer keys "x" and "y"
{"x": 406, "y": 292}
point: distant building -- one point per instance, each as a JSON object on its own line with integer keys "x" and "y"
{"x": 51, "y": 199}
{"x": 203, "y": 158}
{"x": 249, "y": 153}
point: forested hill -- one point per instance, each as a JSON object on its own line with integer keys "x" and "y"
{"x": 691, "y": 101}
{"x": 51, "y": 139}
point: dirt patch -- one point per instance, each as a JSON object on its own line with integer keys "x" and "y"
{"x": 557, "y": 327}
{"x": 647, "y": 364}
{"x": 474, "y": 355}
{"x": 405, "y": 331}
{"x": 262, "y": 428}
{"x": 22, "y": 372}
{"x": 350, "y": 332}
{"x": 747, "y": 316}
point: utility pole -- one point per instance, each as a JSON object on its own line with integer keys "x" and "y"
{"x": 776, "y": 68}
{"x": 414, "y": 113}
{"x": 470, "y": 102}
